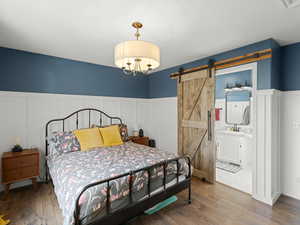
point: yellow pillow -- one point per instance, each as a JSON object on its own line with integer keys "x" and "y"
{"x": 111, "y": 135}
{"x": 89, "y": 138}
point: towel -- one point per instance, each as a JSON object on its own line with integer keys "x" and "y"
{"x": 246, "y": 116}
{"x": 217, "y": 113}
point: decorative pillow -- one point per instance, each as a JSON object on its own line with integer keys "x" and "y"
{"x": 123, "y": 130}
{"x": 111, "y": 135}
{"x": 89, "y": 138}
{"x": 63, "y": 142}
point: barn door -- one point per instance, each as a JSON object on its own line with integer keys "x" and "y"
{"x": 196, "y": 99}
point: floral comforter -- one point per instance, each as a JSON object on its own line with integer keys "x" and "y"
{"x": 71, "y": 172}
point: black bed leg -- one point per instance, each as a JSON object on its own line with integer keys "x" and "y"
{"x": 190, "y": 193}
{"x": 46, "y": 177}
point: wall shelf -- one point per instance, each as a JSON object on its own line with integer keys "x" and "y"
{"x": 243, "y": 88}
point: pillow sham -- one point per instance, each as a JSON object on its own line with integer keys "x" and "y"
{"x": 63, "y": 142}
{"x": 123, "y": 130}
{"x": 89, "y": 138}
{"x": 111, "y": 135}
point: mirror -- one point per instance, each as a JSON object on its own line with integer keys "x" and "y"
{"x": 237, "y": 107}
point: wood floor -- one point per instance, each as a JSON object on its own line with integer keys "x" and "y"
{"x": 211, "y": 205}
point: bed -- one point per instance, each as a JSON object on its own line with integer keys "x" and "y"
{"x": 110, "y": 185}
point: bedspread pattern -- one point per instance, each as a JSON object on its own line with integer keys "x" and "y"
{"x": 71, "y": 172}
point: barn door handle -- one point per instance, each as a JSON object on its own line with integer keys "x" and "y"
{"x": 209, "y": 125}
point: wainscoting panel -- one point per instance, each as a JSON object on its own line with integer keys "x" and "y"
{"x": 161, "y": 122}
{"x": 290, "y": 143}
{"x": 266, "y": 177}
{"x": 24, "y": 116}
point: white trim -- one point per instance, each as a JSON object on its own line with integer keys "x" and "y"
{"x": 18, "y": 93}
{"x": 267, "y": 92}
{"x": 291, "y": 92}
{"x": 275, "y": 197}
{"x": 162, "y": 99}
{"x": 268, "y": 187}
{"x": 290, "y": 195}
{"x": 269, "y": 201}
{"x": 244, "y": 67}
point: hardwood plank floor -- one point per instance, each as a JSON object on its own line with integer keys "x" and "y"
{"x": 211, "y": 205}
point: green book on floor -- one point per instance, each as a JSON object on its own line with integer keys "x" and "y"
{"x": 161, "y": 205}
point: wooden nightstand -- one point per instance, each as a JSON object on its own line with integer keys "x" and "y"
{"x": 140, "y": 140}
{"x": 17, "y": 166}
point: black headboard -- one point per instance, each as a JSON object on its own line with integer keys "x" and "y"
{"x": 75, "y": 115}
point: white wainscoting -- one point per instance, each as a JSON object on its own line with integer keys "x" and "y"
{"x": 266, "y": 176}
{"x": 25, "y": 115}
{"x": 290, "y": 143}
{"x": 278, "y": 139}
{"x": 161, "y": 122}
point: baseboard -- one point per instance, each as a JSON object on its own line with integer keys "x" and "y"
{"x": 265, "y": 200}
{"x": 275, "y": 198}
{"x": 269, "y": 201}
{"x": 291, "y": 196}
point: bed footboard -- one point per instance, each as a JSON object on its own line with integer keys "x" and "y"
{"x": 135, "y": 208}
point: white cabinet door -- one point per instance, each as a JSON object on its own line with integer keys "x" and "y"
{"x": 228, "y": 148}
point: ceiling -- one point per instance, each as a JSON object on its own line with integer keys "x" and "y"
{"x": 185, "y": 30}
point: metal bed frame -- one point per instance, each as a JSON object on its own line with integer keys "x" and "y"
{"x": 134, "y": 208}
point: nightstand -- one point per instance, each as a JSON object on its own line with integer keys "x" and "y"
{"x": 18, "y": 166}
{"x": 140, "y": 140}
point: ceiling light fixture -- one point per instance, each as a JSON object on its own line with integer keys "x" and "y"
{"x": 136, "y": 56}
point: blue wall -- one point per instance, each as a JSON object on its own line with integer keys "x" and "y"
{"x": 30, "y": 72}
{"x": 232, "y": 79}
{"x": 276, "y": 66}
{"x": 290, "y": 69}
{"x": 160, "y": 84}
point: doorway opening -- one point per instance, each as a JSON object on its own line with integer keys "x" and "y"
{"x": 235, "y": 126}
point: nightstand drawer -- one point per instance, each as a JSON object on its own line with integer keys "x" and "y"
{"x": 30, "y": 171}
{"x": 19, "y": 162}
{"x": 11, "y": 163}
{"x": 11, "y": 175}
{"x": 30, "y": 160}
{"x": 20, "y": 173}
{"x": 140, "y": 140}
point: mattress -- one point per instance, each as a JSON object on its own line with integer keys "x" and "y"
{"x": 71, "y": 172}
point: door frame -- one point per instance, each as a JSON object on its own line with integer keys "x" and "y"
{"x": 253, "y": 68}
